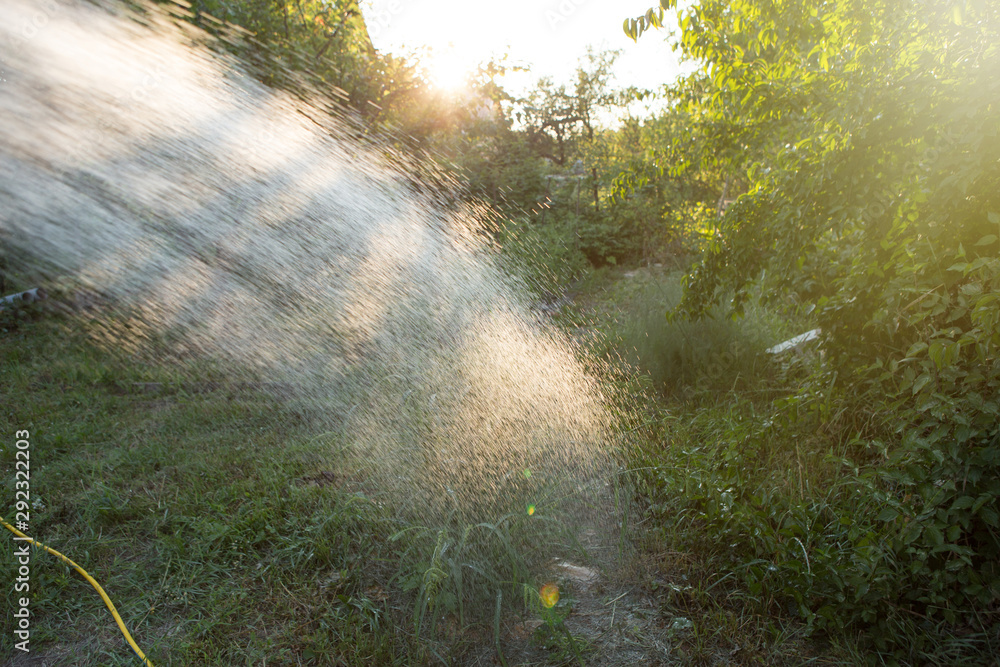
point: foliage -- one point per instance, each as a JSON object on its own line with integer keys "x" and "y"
{"x": 327, "y": 44}
{"x": 664, "y": 181}
{"x": 545, "y": 253}
{"x": 547, "y": 162}
{"x": 551, "y": 153}
{"x": 874, "y": 194}
{"x": 328, "y": 39}
{"x": 558, "y": 120}
{"x": 554, "y": 153}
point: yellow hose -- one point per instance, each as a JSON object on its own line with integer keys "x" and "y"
{"x": 104, "y": 596}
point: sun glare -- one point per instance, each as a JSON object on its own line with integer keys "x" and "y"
{"x": 449, "y": 71}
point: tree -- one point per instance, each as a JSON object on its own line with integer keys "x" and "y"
{"x": 665, "y": 181}
{"x": 563, "y": 124}
{"x": 325, "y": 41}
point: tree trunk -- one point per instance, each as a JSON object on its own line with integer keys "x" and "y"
{"x": 725, "y": 194}
{"x": 597, "y": 201}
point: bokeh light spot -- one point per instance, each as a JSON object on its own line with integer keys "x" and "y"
{"x": 531, "y": 510}
{"x": 549, "y": 595}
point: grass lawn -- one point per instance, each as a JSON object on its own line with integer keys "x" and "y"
{"x": 217, "y": 528}
{"x": 225, "y": 532}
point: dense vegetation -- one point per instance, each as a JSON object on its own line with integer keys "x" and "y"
{"x": 867, "y": 134}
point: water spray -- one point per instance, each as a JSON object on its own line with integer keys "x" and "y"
{"x": 226, "y": 222}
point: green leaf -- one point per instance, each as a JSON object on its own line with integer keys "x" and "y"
{"x": 922, "y": 381}
{"x": 987, "y": 240}
{"x": 954, "y": 352}
{"x": 935, "y": 535}
{"x": 980, "y": 501}
{"x": 965, "y": 502}
{"x": 936, "y": 353}
{"x": 888, "y": 514}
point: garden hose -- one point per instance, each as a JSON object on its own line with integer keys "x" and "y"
{"x": 104, "y": 596}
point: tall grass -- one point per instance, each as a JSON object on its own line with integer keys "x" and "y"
{"x": 708, "y": 356}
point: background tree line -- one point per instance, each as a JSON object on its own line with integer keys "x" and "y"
{"x": 562, "y": 162}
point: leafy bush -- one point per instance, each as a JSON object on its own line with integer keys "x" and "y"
{"x": 882, "y": 208}
{"x": 811, "y": 534}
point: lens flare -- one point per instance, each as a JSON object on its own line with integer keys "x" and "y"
{"x": 549, "y": 595}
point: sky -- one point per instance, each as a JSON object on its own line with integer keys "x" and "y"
{"x": 549, "y": 35}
